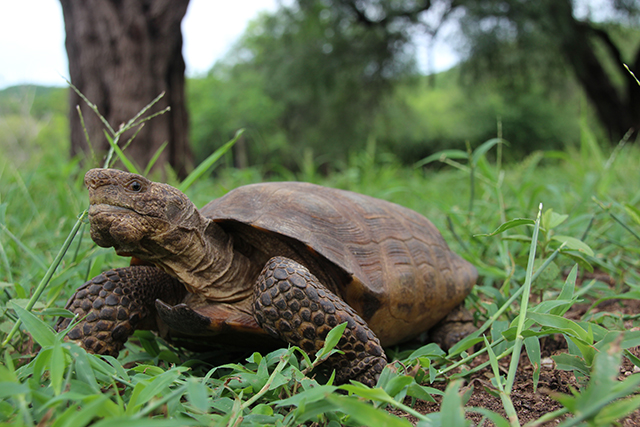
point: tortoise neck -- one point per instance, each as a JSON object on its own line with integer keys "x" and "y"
{"x": 208, "y": 265}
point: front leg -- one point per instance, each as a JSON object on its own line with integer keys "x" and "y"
{"x": 117, "y": 302}
{"x": 291, "y": 304}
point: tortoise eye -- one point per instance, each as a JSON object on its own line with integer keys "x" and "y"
{"x": 135, "y": 186}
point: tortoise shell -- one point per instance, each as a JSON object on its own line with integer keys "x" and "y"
{"x": 401, "y": 276}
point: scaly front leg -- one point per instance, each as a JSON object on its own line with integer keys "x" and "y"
{"x": 115, "y": 303}
{"x": 291, "y": 304}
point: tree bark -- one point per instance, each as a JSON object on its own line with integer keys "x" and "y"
{"x": 617, "y": 109}
{"x": 123, "y": 54}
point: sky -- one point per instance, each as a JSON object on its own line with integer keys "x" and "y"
{"x": 32, "y": 38}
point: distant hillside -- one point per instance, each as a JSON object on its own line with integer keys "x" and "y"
{"x": 38, "y": 101}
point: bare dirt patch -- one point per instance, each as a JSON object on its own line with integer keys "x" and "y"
{"x": 532, "y": 404}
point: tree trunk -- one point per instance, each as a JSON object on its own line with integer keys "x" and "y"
{"x": 122, "y": 54}
{"x": 617, "y": 109}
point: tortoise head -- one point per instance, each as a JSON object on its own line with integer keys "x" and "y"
{"x": 139, "y": 217}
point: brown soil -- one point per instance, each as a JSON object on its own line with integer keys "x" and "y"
{"x": 529, "y": 404}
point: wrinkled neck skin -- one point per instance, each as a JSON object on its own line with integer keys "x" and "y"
{"x": 201, "y": 255}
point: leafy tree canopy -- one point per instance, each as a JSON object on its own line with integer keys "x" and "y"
{"x": 322, "y": 78}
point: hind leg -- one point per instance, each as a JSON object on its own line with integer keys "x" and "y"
{"x": 291, "y": 304}
{"x": 115, "y": 303}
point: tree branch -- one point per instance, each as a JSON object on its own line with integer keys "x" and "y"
{"x": 390, "y": 15}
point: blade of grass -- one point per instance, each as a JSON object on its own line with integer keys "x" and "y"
{"x": 507, "y": 404}
{"x": 93, "y": 106}
{"x": 208, "y": 162}
{"x": 130, "y": 140}
{"x": 22, "y": 246}
{"x": 615, "y": 217}
{"x": 7, "y": 265}
{"x": 113, "y": 142}
{"x": 155, "y": 158}
{"x": 94, "y": 158}
{"x": 515, "y": 358}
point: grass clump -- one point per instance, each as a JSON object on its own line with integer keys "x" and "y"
{"x": 537, "y": 263}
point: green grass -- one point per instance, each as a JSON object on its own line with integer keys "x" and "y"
{"x": 487, "y": 211}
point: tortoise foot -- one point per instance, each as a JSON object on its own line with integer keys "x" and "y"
{"x": 458, "y": 324}
{"x": 115, "y": 303}
{"x": 182, "y": 318}
{"x": 291, "y": 304}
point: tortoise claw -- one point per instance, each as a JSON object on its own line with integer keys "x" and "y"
{"x": 182, "y": 318}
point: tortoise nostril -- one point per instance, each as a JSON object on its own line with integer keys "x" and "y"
{"x": 94, "y": 178}
{"x": 89, "y": 180}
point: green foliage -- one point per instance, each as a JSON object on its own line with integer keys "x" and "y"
{"x": 303, "y": 80}
{"x": 318, "y": 80}
{"x": 32, "y": 118}
{"x": 220, "y": 105}
{"x": 528, "y": 47}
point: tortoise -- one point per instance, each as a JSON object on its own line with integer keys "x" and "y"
{"x": 284, "y": 260}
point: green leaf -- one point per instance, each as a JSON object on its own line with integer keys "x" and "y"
{"x": 8, "y": 389}
{"x": 579, "y": 259}
{"x": 517, "y": 238}
{"x": 144, "y": 391}
{"x": 429, "y": 350}
{"x": 144, "y": 422}
{"x": 84, "y": 371}
{"x": 39, "y": 330}
{"x": 532, "y": 344}
{"x": 464, "y": 344}
{"x": 58, "y": 367}
{"x": 441, "y": 156}
{"x": 331, "y": 340}
{"x": 573, "y": 243}
{"x": 508, "y": 225}
{"x": 197, "y": 394}
{"x": 633, "y": 212}
{"x": 82, "y": 416}
{"x": 262, "y": 409}
{"x": 222, "y": 404}
{"x": 570, "y": 362}
{"x": 311, "y": 411}
{"x": 366, "y": 392}
{"x": 452, "y": 407}
{"x": 493, "y": 361}
{"x": 309, "y": 395}
{"x": 483, "y": 148}
{"x": 365, "y": 414}
{"x": 616, "y": 411}
{"x": 567, "y": 292}
{"x": 550, "y": 305}
{"x": 422, "y": 392}
{"x": 560, "y": 323}
{"x": 551, "y": 219}
{"x": 396, "y": 384}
